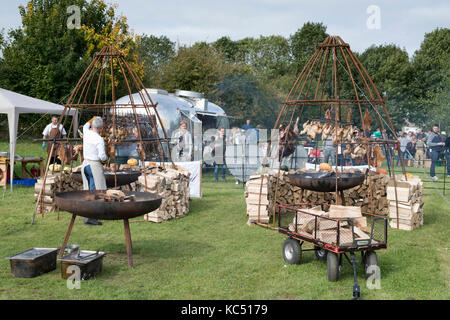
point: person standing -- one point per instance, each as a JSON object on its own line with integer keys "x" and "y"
{"x": 340, "y": 155}
{"x": 329, "y": 151}
{"x": 219, "y": 150}
{"x": 420, "y": 153}
{"x": 420, "y": 134}
{"x": 404, "y": 139}
{"x": 94, "y": 154}
{"x": 435, "y": 145}
{"x": 51, "y": 131}
{"x": 426, "y": 139}
{"x": 411, "y": 150}
{"x": 377, "y": 134}
{"x": 247, "y": 125}
{"x": 182, "y": 139}
{"x": 447, "y": 155}
{"x": 258, "y": 128}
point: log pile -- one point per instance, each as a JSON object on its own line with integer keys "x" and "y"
{"x": 410, "y": 203}
{"x": 53, "y": 182}
{"x": 253, "y": 189}
{"x": 321, "y": 225}
{"x": 370, "y": 195}
{"x": 172, "y": 184}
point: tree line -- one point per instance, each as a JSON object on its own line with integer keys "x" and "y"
{"x": 249, "y": 77}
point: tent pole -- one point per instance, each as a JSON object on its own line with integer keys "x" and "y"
{"x": 13, "y": 121}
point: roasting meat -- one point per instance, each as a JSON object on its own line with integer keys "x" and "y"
{"x": 287, "y": 140}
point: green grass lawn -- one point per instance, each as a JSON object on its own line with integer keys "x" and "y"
{"x": 212, "y": 254}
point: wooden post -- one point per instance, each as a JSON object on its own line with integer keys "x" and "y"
{"x": 69, "y": 230}
{"x": 126, "y": 225}
{"x": 39, "y": 199}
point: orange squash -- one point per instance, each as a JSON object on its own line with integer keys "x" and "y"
{"x": 325, "y": 166}
{"x": 132, "y": 162}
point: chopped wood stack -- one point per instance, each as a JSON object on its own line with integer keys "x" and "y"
{"x": 52, "y": 186}
{"x": 320, "y": 225}
{"x": 172, "y": 185}
{"x": 370, "y": 199}
{"x": 370, "y": 195}
{"x": 253, "y": 189}
{"x": 410, "y": 203}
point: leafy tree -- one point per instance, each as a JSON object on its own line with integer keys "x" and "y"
{"x": 391, "y": 71}
{"x": 244, "y": 97}
{"x": 197, "y": 68}
{"x": 227, "y": 47}
{"x": 268, "y": 56}
{"x": 303, "y": 43}
{"x": 44, "y": 58}
{"x": 153, "y": 52}
{"x": 431, "y": 65}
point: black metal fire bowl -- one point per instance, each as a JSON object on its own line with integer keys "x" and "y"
{"x": 322, "y": 182}
{"x": 82, "y": 203}
{"x": 123, "y": 177}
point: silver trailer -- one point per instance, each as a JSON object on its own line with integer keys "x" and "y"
{"x": 200, "y": 113}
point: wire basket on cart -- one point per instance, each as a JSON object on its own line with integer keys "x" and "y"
{"x": 332, "y": 238}
{"x": 309, "y": 222}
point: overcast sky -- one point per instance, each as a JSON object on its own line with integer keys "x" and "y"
{"x": 402, "y": 22}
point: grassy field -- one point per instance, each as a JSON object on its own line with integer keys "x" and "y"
{"x": 212, "y": 254}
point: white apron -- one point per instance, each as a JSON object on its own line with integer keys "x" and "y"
{"x": 97, "y": 172}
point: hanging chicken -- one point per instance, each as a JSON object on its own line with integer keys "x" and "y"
{"x": 376, "y": 156}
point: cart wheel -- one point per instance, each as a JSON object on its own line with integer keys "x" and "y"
{"x": 292, "y": 251}
{"x": 321, "y": 253}
{"x": 332, "y": 266}
{"x": 370, "y": 260}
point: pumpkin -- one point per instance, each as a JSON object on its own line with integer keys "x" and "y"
{"x": 132, "y": 162}
{"x": 382, "y": 171}
{"x": 325, "y": 166}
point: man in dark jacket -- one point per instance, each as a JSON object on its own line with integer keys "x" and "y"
{"x": 411, "y": 150}
{"x": 435, "y": 144}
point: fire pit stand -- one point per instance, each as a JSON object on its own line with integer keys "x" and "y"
{"x": 128, "y": 242}
{"x": 83, "y": 203}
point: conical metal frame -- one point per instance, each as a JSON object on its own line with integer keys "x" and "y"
{"x": 96, "y": 92}
{"x": 334, "y": 77}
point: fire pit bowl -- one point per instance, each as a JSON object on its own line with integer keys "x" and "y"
{"x": 83, "y": 203}
{"x": 316, "y": 181}
{"x": 123, "y": 177}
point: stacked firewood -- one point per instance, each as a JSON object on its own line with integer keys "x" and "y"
{"x": 54, "y": 183}
{"x": 257, "y": 207}
{"x": 370, "y": 196}
{"x": 321, "y": 225}
{"x": 410, "y": 203}
{"x": 172, "y": 184}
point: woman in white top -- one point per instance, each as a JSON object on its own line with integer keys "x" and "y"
{"x": 182, "y": 141}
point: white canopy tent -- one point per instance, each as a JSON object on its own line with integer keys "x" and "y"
{"x": 13, "y": 104}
